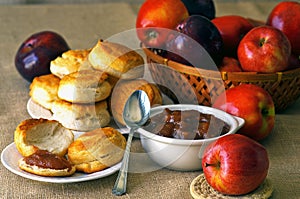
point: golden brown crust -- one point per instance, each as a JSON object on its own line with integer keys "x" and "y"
{"x": 96, "y": 150}
{"x": 124, "y": 89}
{"x": 43, "y": 90}
{"x": 85, "y": 86}
{"x": 81, "y": 117}
{"x": 113, "y": 58}
{"x": 85, "y": 78}
{"x": 69, "y": 62}
{"x": 42, "y": 134}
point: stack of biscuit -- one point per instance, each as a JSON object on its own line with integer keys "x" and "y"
{"x": 81, "y": 81}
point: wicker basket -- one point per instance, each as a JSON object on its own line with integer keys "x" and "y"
{"x": 185, "y": 84}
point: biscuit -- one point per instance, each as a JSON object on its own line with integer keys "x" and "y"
{"x": 69, "y": 62}
{"x": 43, "y": 90}
{"x": 42, "y": 134}
{"x": 123, "y": 90}
{"x": 44, "y": 163}
{"x": 81, "y": 117}
{"x": 115, "y": 59}
{"x": 97, "y": 150}
{"x": 86, "y": 86}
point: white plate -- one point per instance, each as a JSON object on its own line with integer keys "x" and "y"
{"x": 37, "y": 111}
{"x": 10, "y": 157}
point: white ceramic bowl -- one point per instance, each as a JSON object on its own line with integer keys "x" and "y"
{"x": 179, "y": 154}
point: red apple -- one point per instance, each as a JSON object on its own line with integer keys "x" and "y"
{"x": 230, "y": 64}
{"x": 264, "y": 49}
{"x": 37, "y": 51}
{"x": 286, "y": 17}
{"x": 252, "y": 103}
{"x": 232, "y": 28}
{"x": 235, "y": 164}
{"x": 156, "y": 17}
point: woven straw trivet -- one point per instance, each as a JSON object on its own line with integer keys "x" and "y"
{"x": 200, "y": 189}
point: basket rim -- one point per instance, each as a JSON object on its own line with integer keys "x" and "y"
{"x": 233, "y": 76}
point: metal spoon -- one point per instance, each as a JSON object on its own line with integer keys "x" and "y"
{"x": 136, "y": 113}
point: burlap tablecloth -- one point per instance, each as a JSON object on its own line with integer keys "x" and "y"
{"x": 82, "y": 25}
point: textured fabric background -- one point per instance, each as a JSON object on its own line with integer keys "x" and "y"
{"x": 96, "y": 1}
{"x": 82, "y": 25}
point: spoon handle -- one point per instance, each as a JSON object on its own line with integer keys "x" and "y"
{"x": 121, "y": 182}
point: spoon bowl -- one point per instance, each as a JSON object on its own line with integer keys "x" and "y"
{"x": 137, "y": 109}
{"x": 136, "y": 113}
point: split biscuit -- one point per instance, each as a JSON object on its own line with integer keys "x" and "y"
{"x": 32, "y": 135}
{"x": 44, "y": 163}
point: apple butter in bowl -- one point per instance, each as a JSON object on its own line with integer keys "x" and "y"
{"x": 186, "y": 124}
{"x": 176, "y": 135}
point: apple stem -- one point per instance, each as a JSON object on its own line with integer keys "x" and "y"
{"x": 214, "y": 165}
{"x": 262, "y": 42}
{"x": 265, "y": 111}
